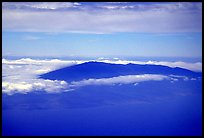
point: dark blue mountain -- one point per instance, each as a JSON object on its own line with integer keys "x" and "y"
{"x": 105, "y": 70}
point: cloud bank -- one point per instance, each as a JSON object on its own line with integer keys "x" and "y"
{"x": 45, "y": 66}
{"x": 35, "y": 66}
{"x": 128, "y": 79}
{"x": 24, "y": 86}
{"x": 197, "y": 67}
{"x": 102, "y": 17}
{"x": 21, "y": 76}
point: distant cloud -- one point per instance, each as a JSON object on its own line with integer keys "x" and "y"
{"x": 39, "y": 5}
{"x": 29, "y": 68}
{"x": 102, "y": 18}
{"x": 197, "y": 66}
{"x": 41, "y": 62}
{"x": 190, "y": 66}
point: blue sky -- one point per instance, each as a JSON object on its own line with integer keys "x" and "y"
{"x": 102, "y": 29}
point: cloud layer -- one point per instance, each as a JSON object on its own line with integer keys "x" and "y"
{"x": 128, "y": 79}
{"x": 53, "y": 64}
{"x": 28, "y": 85}
{"x": 21, "y": 76}
{"x": 33, "y": 66}
{"x": 190, "y": 66}
{"x": 102, "y": 17}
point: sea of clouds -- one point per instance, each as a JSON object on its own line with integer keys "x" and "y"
{"x": 21, "y": 75}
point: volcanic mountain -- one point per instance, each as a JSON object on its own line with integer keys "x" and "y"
{"x": 105, "y": 70}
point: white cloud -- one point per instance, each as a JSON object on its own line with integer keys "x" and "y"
{"x": 20, "y": 76}
{"x": 152, "y": 18}
{"x": 24, "y": 86}
{"x": 8, "y": 87}
{"x": 176, "y": 77}
{"x": 197, "y": 66}
{"x": 52, "y": 5}
{"x": 39, "y": 5}
{"x": 190, "y": 66}
{"x": 39, "y": 61}
{"x": 32, "y": 66}
{"x": 128, "y": 79}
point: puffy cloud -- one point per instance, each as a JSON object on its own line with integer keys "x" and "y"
{"x": 102, "y": 18}
{"x": 24, "y": 86}
{"x": 8, "y": 87}
{"x": 21, "y": 75}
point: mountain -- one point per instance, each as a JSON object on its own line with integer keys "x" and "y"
{"x": 105, "y": 70}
